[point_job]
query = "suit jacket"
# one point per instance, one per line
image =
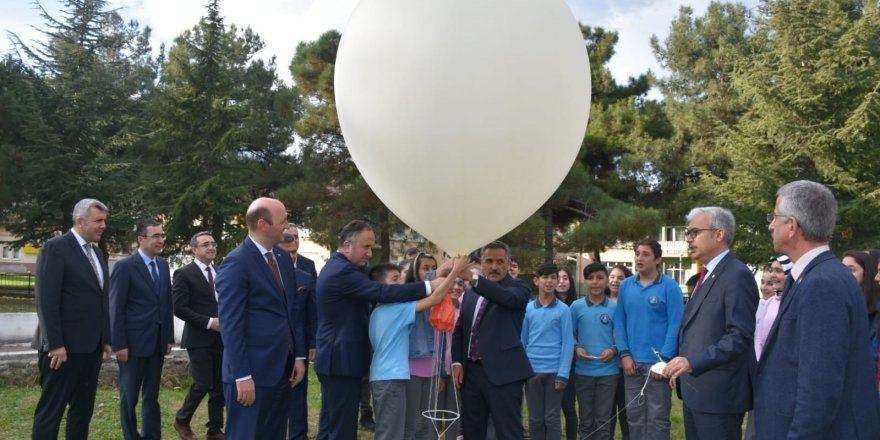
(306, 265)
(257, 318)
(195, 304)
(73, 308)
(141, 318)
(717, 333)
(344, 293)
(501, 350)
(815, 379)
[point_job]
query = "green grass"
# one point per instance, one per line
(17, 413)
(11, 304)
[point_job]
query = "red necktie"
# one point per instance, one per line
(700, 282)
(273, 266)
(474, 352)
(210, 278)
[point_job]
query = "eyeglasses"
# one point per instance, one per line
(694, 232)
(771, 216)
(155, 236)
(208, 244)
(289, 238)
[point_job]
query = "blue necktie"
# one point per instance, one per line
(155, 274)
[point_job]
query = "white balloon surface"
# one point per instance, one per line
(463, 116)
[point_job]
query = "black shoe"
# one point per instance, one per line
(367, 423)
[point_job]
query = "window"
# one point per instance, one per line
(675, 271)
(7, 252)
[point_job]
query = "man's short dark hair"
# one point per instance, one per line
(497, 244)
(594, 267)
(380, 272)
(194, 241)
(143, 224)
(351, 231)
(545, 269)
(651, 243)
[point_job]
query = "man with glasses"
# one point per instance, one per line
(717, 330)
(142, 328)
(305, 296)
(815, 378)
(195, 303)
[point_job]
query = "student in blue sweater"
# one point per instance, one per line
(647, 318)
(389, 334)
(548, 338)
(596, 367)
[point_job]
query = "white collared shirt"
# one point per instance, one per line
(805, 260)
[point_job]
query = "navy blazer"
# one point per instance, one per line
(344, 294)
(141, 318)
(306, 265)
(717, 334)
(816, 379)
(257, 319)
(195, 304)
(73, 308)
(501, 349)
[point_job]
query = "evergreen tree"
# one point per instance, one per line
(222, 123)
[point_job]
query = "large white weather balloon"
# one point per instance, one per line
(463, 116)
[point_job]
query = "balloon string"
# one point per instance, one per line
(641, 395)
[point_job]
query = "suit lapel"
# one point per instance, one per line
(790, 296)
(260, 260)
(705, 290)
(141, 267)
(84, 260)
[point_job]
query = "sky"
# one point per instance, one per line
(284, 23)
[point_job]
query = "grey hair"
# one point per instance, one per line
(81, 210)
(291, 225)
(719, 218)
(194, 241)
(814, 207)
(497, 244)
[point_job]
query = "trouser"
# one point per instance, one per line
(140, 375)
(620, 409)
(648, 417)
(545, 404)
(596, 402)
(569, 410)
(418, 393)
(390, 402)
(711, 426)
(205, 367)
(74, 384)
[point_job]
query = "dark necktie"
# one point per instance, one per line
(273, 266)
(210, 278)
(155, 274)
(700, 282)
(474, 352)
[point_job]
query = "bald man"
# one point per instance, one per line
(265, 347)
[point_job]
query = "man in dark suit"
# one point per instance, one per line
(264, 345)
(141, 321)
(489, 362)
(815, 375)
(73, 334)
(344, 294)
(195, 302)
(306, 277)
(715, 352)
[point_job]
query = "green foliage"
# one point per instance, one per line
(72, 117)
(221, 124)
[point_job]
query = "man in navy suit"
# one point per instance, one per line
(195, 303)
(264, 345)
(489, 362)
(141, 319)
(715, 352)
(815, 375)
(306, 277)
(73, 334)
(344, 294)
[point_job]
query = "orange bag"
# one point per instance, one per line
(443, 315)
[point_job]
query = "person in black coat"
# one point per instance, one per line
(195, 303)
(73, 333)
